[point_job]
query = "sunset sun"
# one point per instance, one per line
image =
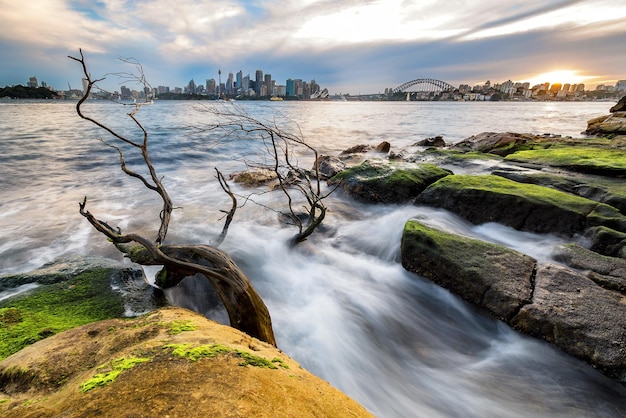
(559, 76)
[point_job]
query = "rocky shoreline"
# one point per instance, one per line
(573, 188)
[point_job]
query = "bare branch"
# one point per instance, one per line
(231, 213)
(156, 183)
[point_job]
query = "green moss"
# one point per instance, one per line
(214, 350)
(116, 367)
(176, 327)
(50, 309)
(500, 185)
(575, 157)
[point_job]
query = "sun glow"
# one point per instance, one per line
(559, 76)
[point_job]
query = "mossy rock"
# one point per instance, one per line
(488, 275)
(593, 160)
(528, 207)
(386, 181)
(601, 189)
(607, 241)
(139, 367)
(50, 309)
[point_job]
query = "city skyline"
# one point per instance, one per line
(346, 46)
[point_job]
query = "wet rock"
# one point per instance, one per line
(387, 181)
(254, 177)
(328, 166)
(528, 207)
(572, 312)
(582, 313)
(357, 149)
(607, 241)
(436, 141)
(604, 161)
(604, 190)
(607, 272)
(383, 147)
(126, 279)
(499, 143)
(491, 276)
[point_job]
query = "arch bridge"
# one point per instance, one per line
(424, 85)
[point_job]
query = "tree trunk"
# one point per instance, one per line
(245, 308)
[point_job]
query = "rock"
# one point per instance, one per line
(357, 149)
(383, 147)
(172, 362)
(575, 314)
(255, 177)
(499, 143)
(436, 141)
(489, 198)
(604, 161)
(491, 276)
(604, 190)
(387, 181)
(125, 279)
(610, 125)
(607, 272)
(581, 315)
(620, 106)
(97, 289)
(607, 241)
(328, 166)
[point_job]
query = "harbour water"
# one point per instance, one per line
(341, 303)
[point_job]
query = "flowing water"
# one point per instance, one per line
(341, 303)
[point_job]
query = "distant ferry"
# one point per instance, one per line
(276, 99)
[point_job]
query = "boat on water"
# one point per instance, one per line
(276, 99)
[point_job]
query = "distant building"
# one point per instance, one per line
(32, 82)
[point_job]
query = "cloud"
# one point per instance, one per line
(347, 44)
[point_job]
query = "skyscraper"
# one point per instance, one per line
(258, 82)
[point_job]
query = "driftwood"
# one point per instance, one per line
(245, 308)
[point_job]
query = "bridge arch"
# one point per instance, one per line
(431, 83)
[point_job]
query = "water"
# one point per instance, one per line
(341, 303)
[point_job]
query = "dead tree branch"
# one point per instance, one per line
(280, 145)
(245, 308)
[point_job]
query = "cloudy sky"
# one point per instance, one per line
(348, 46)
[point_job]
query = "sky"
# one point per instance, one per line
(347, 46)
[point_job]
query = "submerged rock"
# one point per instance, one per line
(172, 362)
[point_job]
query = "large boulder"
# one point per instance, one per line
(584, 314)
(384, 181)
(491, 276)
(572, 312)
(489, 198)
(172, 362)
